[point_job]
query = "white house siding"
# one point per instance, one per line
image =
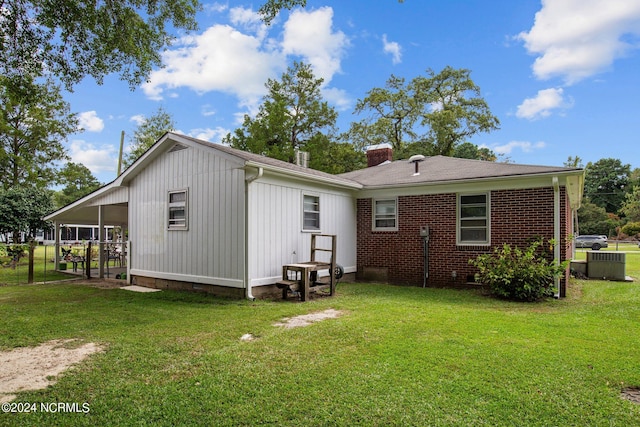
(115, 196)
(276, 235)
(211, 251)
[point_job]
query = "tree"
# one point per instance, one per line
(574, 162)
(631, 206)
(293, 116)
(34, 121)
(23, 208)
(395, 111)
(78, 181)
(73, 39)
(606, 183)
(631, 229)
(468, 150)
(593, 219)
(457, 111)
(430, 115)
(147, 133)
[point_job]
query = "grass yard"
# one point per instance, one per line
(397, 356)
(43, 268)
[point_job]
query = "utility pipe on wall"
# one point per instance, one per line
(556, 234)
(247, 279)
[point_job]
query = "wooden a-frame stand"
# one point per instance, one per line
(303, 277)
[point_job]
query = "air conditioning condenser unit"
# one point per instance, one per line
(606, 265)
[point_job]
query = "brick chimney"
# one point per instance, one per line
(377, 154)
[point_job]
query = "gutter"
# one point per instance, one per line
(409, 184)
(248, 180)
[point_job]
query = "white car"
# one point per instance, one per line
(592, 241)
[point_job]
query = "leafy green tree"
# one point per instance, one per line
(468, 150)
(23, 208)
(631, 229)
(394, 113)
(334, 157)
(77, 181)
(574, 162)
(631, 206)
(456, 109)
(593, 219)
(606, 183)
(73, 39)
(34, 122)
(294, 116)
(430, 115)
(147, 133)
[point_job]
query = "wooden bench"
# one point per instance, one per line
(302, 278)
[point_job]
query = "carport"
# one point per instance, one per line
(106, 206)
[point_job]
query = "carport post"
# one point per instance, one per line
(101, 239)
(56, 244)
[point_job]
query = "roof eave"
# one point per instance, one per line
(478, 179)
(353, 185)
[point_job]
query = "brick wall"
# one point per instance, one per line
(516, 217)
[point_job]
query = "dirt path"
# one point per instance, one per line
(308, 319)
(33, 368)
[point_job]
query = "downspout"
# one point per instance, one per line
(556, 233)
(247, 279)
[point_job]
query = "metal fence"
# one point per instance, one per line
(75, 260)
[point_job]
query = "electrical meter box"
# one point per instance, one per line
(424, 231)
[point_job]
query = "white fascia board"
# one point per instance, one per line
(477, 184)
(304, 177)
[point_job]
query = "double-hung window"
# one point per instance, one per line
(385, 215)
(178, 210)
(473, 219)
(310, 212)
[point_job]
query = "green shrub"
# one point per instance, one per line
(517, 274)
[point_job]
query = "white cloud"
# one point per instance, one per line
(524, 146)
(238, 59)
(337, 97)
(249, 20)
(96, 159)
(208, 134)
(542, 104)
(207, 110)
(138, 119)
(392, 48)
(220, 59)
(576, 39)
(310, 35)
(90, 121)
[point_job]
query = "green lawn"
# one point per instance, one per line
(43, 268)
(398, 356)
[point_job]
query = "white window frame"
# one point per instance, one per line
(375, 216)
(173, 224)
(317, 212)
(486, 218)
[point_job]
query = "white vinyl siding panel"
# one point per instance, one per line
(276, 235)
(213, 244)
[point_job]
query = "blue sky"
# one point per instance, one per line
(562, 76)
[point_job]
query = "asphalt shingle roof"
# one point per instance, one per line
(443, 169)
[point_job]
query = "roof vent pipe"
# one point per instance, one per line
(415, 159)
